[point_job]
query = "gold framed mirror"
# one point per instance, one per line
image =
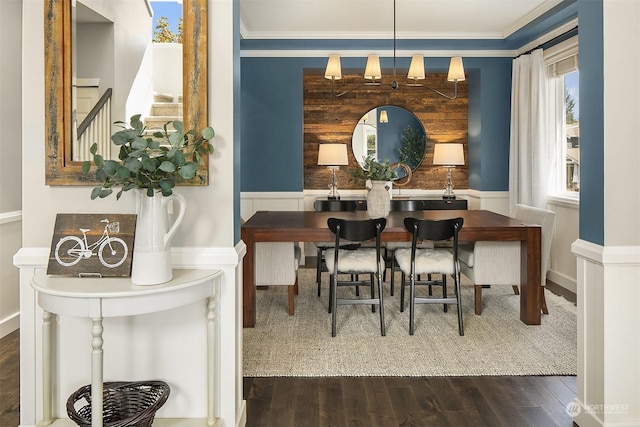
(60, 169)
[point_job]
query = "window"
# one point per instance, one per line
(564, 96)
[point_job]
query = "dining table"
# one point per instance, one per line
(479, 225)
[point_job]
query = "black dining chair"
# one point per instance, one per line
(353, 262)
(328, 205)
(413, 261)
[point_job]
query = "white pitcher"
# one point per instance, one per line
(151, 263)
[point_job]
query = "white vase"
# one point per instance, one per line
(151, 264)
(378, 199)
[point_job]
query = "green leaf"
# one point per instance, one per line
(167, 166)
(166, 185)
(86, 166)
(153, 144)
(177, 125)
(176, 139)
(94, 148)
(208, 133)
(110, 167)
(98, 160)
(134, 165)
(95, 192)
(136, 123)
(150, 192)
(171, 153)
(120, 138)
(188, 171)
(178, 158)
(139, 143)
(104, 192)
(149, 164)
(123, 172)
(101, 176)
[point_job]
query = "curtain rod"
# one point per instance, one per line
(552, 42)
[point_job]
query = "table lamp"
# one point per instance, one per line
(333, 156)
(449, 156)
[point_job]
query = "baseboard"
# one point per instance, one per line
(563, 281)
(9, 324)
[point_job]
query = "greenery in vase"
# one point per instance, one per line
(375, 171)
(156, 164)
(412, 147)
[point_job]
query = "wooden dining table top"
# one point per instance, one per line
(305, 226)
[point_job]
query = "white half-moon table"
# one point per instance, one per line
(97, 298)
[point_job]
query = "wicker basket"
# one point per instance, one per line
(124, 403)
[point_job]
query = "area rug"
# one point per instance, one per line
(494, 343)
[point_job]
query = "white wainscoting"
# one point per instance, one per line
(563, 261)
(10, 242)
(608, 386)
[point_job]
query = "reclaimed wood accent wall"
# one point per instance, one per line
(328, 119)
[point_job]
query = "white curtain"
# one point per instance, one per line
(531, 145)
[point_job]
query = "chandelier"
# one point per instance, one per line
(373, 74)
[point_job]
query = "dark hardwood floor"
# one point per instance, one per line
(10, 380)
(404, 401)
(369, 401)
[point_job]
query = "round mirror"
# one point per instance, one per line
(390, 133)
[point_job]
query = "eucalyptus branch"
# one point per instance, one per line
(157, 163)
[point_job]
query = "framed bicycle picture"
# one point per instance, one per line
(99, 245)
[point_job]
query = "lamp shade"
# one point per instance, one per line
(332, 155)
(456, 70)
(416, 69)
(448, 155)
(384, 117)
(334, 69)
(372, 70)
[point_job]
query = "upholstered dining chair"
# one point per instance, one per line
(276, 264)
(351, 263)
(414, 261)
(498, 263)
(328, 205)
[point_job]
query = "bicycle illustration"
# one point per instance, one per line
(112, 251)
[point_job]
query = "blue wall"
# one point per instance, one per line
(591, 121)
(272, 119)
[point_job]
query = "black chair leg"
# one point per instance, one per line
(412, 303)
(381, 301)
(402, 279)
(444, 291)
(456, 279)
(334, 303)
(319, 269)
(331, 279)
(373, 306)
(393, 271)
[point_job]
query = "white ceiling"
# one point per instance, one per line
(419, 19)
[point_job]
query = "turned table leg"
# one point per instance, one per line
(96, 372)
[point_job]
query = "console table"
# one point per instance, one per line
(97, 298)
(428, 203)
